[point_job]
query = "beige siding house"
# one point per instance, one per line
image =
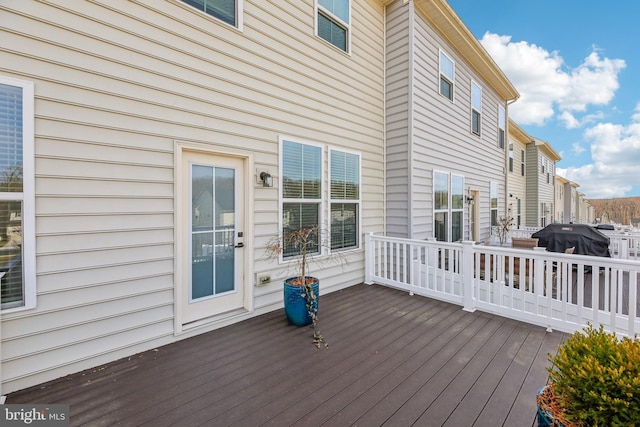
(516, 173)
(154, 141)
(541, 161)
(446, 104)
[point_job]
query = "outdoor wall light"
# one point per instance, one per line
(468, 199)
(267, 180)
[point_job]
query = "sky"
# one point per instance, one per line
(576, 65)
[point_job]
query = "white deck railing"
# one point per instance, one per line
(557, 291)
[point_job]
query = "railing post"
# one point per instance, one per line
(369, 258)
(468, 298)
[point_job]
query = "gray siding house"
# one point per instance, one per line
(446, 106)
(150, 140)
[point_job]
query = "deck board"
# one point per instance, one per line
(393, 359)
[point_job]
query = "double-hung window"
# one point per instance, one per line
(301, 191)
(447, 72)
(225, 10)
(502, 125)
(333, 22)
(345, 199)
(476, 108)
(493, 203)
(303, 184)
(17, 219)
(448, 207)
(511, 157)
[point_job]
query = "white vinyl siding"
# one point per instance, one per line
(116, 89)
(17, 219)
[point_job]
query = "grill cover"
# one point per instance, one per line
(586, 239)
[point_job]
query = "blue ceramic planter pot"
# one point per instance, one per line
(295, 305)
(545, 419)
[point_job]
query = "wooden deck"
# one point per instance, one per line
(394, 359)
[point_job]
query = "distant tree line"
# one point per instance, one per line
(623, 210)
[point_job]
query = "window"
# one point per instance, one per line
(17, 219)
(493, 202)
(302, 186)
(511, 157)
(501, 128)
(345, 199)
(224, 10)
(476, 108)
(333, 22)
(448, 206)
(447, 69)
(522, 162)
(301, 189)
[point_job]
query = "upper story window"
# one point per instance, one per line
(476, 108)
(502, 125)
(522, 166)
(17, 218)
(224, 10)
(511, 157)
(447, 72)
(333, 22)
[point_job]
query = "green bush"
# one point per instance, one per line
(596, 379)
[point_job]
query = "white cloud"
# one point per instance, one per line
(636, 116)
(577, 148)
(616, 153)
(545, 85)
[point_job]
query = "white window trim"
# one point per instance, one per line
(239, 14)
(453, 78)
(346, 25)
(358, 201)
(502, 125)
(478, 110)
(450, 209)
(493, 184)
(28, 193)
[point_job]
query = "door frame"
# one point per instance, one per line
(180, 233)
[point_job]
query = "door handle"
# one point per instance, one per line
(239, 245)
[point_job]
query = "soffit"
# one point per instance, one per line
(444, 19)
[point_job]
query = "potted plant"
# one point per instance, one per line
(594, 380)
(502, 229)
(301, 291)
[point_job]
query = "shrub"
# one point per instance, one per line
(596, 379)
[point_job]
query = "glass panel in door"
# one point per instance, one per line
(213, 231)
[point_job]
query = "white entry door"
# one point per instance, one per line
(212, 273)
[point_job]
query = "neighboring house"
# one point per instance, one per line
(559, 197)
(541, 161)
(516, 173)
(147, 135)
(566, 207)
(584, 210)
(446, 112)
